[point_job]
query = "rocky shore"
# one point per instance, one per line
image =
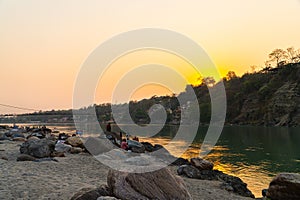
(42, 167)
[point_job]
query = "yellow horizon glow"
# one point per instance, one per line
(44, 43)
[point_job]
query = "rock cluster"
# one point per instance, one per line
(203, 170)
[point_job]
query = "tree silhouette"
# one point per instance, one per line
(278, 55)
(291, 54)
(230, 75)
(209, 81)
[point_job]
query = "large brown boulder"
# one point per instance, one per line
(202, 164)
(75, 142)
(159, 184)
(285, 186)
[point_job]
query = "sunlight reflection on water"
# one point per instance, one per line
(255, 176)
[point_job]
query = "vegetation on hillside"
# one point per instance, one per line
(269, 96)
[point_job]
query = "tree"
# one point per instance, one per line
(209, 81)
(230, 75)
(297, 55)
(291, 53)
(278, 55)
(253, 68)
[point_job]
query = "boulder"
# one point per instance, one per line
(74, 142)
(25, 157)
(189, 171)
(285, 186)
(38, 135)
(138, 149)
(96, 146)
(264, 192)
(18, 135)
(148, 146)
(32, 138)
(38, 148)
(19, 139)
(202, 164)
(91, 193)
(226, 186)
(4, 138)
(180, 161)
(157, 147)
(62, 148)
(136, 146)
(161, 184)
(45, 159)
(133, 143)
(8, 134)
(107, 198)
(76, 150)
(58, 154)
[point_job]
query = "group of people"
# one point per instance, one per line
(123, 141)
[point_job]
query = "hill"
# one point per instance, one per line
(270, 97)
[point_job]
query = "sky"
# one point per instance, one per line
(44, 43)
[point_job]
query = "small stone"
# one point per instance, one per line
(33, 138)
(226, 186)
(76, 150)
(58, 154)
(19, 139)
(25, 157)
(4, 158)
(107, 198)
(91, 193)
(264, 192)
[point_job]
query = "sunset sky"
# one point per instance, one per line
(43, 43)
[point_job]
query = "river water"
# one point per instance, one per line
(254, 154)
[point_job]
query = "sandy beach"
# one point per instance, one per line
(62, 179)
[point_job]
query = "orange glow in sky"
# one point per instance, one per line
(44, 43)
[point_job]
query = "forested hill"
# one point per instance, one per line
(269, 97)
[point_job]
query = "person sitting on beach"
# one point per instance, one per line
(124, 145)
(136, 138)
(108, 127)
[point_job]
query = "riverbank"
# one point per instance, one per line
(62, 179)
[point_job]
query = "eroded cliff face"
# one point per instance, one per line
(282, 109)
(250, 112)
